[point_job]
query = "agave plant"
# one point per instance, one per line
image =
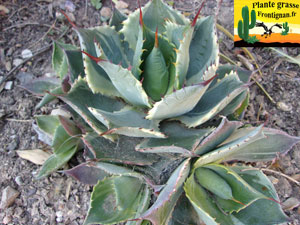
(139, 95)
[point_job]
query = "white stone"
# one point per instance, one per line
(26, 53)
(17, 62)
(8, 85)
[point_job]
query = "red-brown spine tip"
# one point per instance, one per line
(208, 81)
(156, 38)
(141, 14)
(197, 15)
(69, 20)
(142, 80)
(96, 59)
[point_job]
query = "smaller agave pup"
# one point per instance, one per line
(138, 94)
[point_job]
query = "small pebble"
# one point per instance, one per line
(12, 146)
(290, 203)
(19, 180)
(284, 107)
(59, 216)
(121, 5)
(31, 191)
(8, 85)
(105, 13)
(69, 5)
(6, 220)
(8, 65)
(17, 62)
(9, 51)
(273, 180)
(9, 195)
(26, 53)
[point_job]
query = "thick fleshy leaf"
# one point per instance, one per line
(243, 193)
(263, 211)
(183, 57)
(47, 98)
(109, 41)
(177, 103)
(129, 122)
(121, 152)
(158, 12)
(204, 204)
(128, 86)
(39, 86)
(117, 199)
(80, 97)
(214, 101)
(48, 123)
(184, 213)
(56, 161)
(223, 70)
(226, 150)
(174, 32)
(237, 105)
(129, 27)
(160, 212)
(97, 79)
(137, 57)
(91, 172)
(61, 138)
(59, 60)
(64, 149)
(69, 126)
(265, 149)
(204, 59)
(180, 140)
(161, 170)
(155, 13)
(220, 134)
(214, 183)
(75, 63)
(156, 74)
(117, 19)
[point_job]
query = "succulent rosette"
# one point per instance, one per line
(139, 95)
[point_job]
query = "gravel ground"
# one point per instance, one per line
(61, 200)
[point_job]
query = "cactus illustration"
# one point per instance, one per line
(244, 26)
(286, 28)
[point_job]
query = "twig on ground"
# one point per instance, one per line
(228, 34)
(20, 25)
(227, 59)
(18, 10)
(85, 9)
(47, 47)
(259, 111)
(52, 27)
(20, 121)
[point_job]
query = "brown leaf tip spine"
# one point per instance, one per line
(197, 15)
(96, 59)
(156, 38)
(68, 18)
(141, 14)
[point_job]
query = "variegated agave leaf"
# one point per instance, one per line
(140, 93)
